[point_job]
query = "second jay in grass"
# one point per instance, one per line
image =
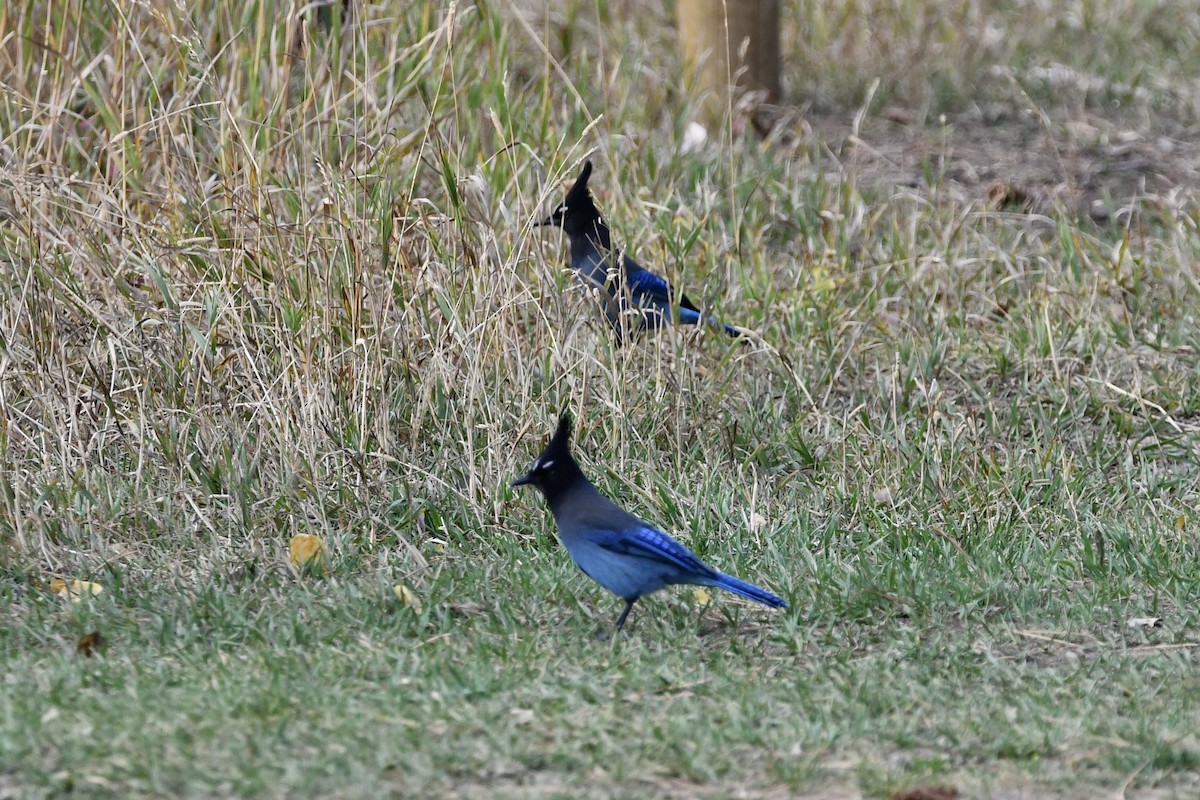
(633, 297)
(626, 555)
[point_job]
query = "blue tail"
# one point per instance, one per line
(689, 317)
(747, 590)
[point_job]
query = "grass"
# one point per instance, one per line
(258, 285)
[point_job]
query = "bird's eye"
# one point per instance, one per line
(541, 466)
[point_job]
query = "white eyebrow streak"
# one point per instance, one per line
(546, 464)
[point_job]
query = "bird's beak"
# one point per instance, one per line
(521, 481)
(541, 223)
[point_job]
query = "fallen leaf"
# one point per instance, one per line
(89, 644)
(308, 551)
(694, 137)
(407, 597)
(822, 282)
(1009, 197)
(522, 716)
(927, 793)
(1144, 622)
(75, 589)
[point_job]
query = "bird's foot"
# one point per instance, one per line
(607, 634)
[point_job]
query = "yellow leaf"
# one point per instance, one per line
(75, 588)
(702, 596)
(1181, 523)
(822, 282)
(308, 551)
(407, 597)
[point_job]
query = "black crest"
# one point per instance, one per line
(578, 197)
(554, 469)
(577, 213)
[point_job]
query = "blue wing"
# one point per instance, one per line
(657, 546)
(653, 544)
(645, 285)
(641, 289)
(647, 289)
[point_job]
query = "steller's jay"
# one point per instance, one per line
(625, 555)
(629, 289)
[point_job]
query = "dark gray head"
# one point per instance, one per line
(555, 470)
(576, 214)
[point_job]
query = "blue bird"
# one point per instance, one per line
(629, 557)
(629, 289)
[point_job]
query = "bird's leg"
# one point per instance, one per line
(625, 613)
(604, 634)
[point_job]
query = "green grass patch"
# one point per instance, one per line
(263, 278)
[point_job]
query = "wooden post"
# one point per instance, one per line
(712, 35)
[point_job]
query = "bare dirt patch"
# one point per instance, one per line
(1087, 166)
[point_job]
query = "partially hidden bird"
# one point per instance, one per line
(633, 298)
(624, 554)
